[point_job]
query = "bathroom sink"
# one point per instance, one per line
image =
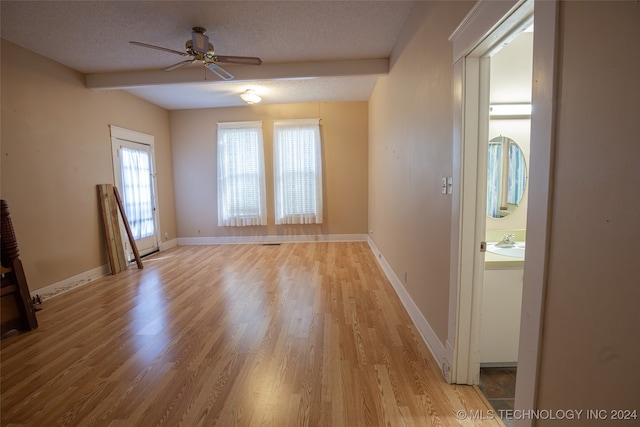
(516, 251)
(505, 245)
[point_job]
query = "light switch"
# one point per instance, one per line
(444, 185)
(449, 185)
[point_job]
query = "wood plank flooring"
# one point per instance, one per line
(301, 334)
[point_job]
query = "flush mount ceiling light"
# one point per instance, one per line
(250, 97)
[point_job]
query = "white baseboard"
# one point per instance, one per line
(70, 283)
(435, 346)
(168, 244)
(85, 278)
(222, 240)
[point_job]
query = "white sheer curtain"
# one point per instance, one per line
(494, 163)
(506, 177)
(298, 171)
(517, 174)
(241, 183)
(137, 194)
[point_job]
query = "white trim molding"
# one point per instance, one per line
(539, 219)
(481, 23)
(66, 285)
(168, 244)
(440, 353)
(235, 240)
(82, 279)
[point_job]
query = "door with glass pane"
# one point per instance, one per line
(134, 178)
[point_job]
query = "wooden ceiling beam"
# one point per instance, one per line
(277, 71)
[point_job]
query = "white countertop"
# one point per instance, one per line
(495, 261)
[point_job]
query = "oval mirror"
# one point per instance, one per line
(506, 176)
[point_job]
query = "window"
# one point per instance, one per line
(137, 194)
(241, 186)
(298, 171)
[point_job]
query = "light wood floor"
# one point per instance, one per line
(302, 334)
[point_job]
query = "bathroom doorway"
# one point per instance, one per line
(485, 29)
(508, 154)
(473, 51)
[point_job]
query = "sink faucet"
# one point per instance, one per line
(506, 241)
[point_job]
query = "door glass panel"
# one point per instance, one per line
(137, 191)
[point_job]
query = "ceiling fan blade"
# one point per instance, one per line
(177, 52)
(247, 60)
(219, 71)
(179, 65)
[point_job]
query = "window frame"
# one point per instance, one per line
(226, 216)
(282, 156)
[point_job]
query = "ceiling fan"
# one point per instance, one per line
(200, 50)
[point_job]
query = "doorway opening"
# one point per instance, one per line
(134, 176)
(507, 146)
(485, 30)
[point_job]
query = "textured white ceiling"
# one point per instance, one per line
(329, 89)
(92, 37)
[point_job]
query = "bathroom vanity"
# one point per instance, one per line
(501, 307)
(507, 198)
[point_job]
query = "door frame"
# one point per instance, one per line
(487, 25)
(119, 135)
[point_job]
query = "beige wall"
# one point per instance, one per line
(56, 148)
(344, 147)
(590, 346)
(410, 150)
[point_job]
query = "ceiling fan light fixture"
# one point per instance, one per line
(200, 50)
(200, 40)
(250, 97)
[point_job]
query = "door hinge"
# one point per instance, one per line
(483, 246)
